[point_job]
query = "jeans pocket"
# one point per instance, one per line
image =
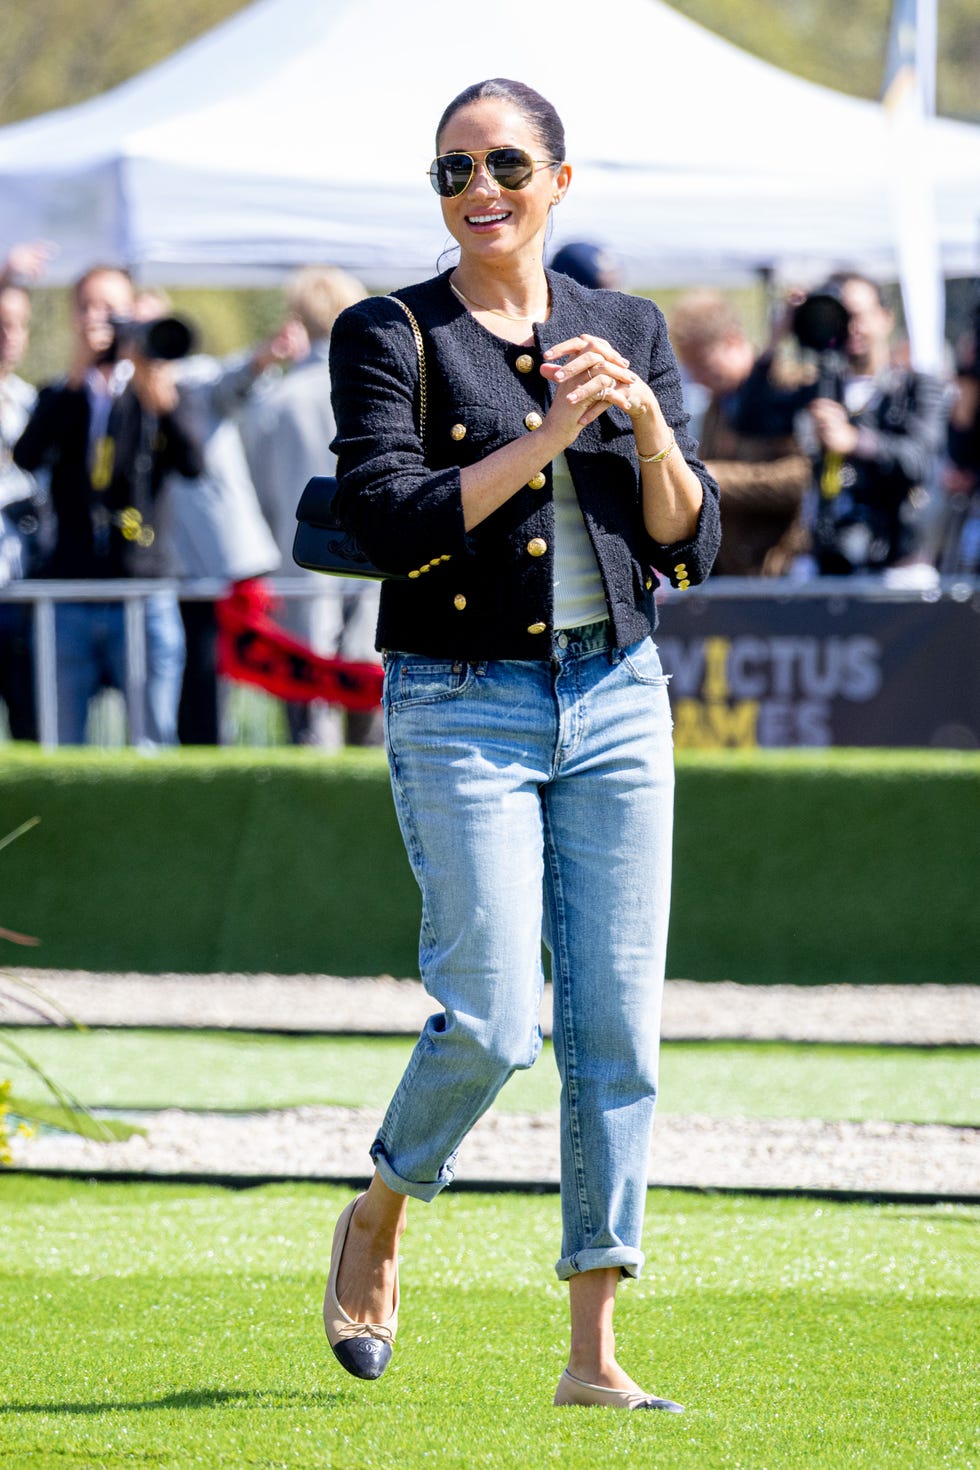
(413, 679)
(642, 663)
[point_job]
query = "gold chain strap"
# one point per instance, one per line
(420, 349)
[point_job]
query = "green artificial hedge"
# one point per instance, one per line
(809, 867)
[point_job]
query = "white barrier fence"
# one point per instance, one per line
(133, 594)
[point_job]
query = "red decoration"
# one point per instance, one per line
(254, 649)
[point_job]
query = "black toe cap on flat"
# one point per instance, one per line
(667, 1405)
(364, 1357)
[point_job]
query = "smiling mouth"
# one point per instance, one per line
(482, 220)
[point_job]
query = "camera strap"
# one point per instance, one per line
(831, 480)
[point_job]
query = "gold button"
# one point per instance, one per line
(458, 431)
(681, 569)
(684, 584)
(413, 575)
(537, 547)
(538, 482)
(459, 602)
(426, 567)
(533, 420)
(537, 627)
(649, 583)
(524, 363)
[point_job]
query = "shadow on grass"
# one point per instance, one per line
(190, 1398)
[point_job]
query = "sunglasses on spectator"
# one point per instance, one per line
(511, 168)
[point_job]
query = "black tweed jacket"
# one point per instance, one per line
(488, 594)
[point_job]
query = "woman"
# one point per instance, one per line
(527, 721)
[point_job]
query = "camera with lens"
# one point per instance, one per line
(821, 321)
(167, 339)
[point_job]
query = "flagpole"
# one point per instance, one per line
(908, 98)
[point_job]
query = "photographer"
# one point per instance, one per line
(108, 434)
(288, 430)
(873, 433)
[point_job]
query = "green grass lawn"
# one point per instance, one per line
(193, 1069)
(178, 1327)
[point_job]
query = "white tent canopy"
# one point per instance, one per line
(301, 130)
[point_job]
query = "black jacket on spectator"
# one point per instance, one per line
(900, 433)
(119, 530)
(488, 594)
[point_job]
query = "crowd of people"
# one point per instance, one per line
(160, 462)
(835, 462)
(149, 460)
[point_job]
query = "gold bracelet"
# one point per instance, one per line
(656, 458)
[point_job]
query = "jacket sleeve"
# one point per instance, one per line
(697, 554)
(44, 429)
(233, 381)
(403, 513)
(180, 448)
(908, 456)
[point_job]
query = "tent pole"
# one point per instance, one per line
(771, 304)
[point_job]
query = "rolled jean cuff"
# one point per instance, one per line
(411, 1187)
(629, 1261)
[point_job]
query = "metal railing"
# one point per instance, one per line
(133, 594)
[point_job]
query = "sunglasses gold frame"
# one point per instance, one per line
(483, 156)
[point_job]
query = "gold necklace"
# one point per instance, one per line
(510, 316)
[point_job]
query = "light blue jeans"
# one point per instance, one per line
(91, 655)
(535, 800)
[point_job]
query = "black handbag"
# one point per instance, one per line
(322, 542)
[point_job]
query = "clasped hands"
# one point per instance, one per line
(588, 376)
(592, 377)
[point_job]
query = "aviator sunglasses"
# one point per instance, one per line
(511, 168)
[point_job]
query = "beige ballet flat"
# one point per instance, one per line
(572, 1390)
(363, 1348)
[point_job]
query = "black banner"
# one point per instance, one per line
(820, 670)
